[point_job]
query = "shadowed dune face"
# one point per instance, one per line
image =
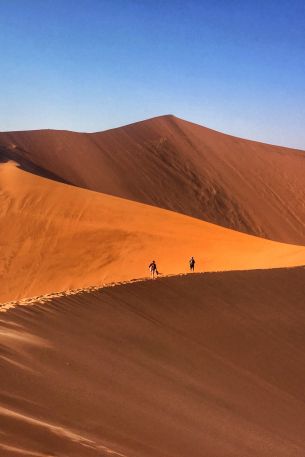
(197, 365)
(56, 237)
(173, 164)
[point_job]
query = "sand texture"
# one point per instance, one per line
(197, 365)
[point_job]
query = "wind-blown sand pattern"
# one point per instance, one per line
(204, 364)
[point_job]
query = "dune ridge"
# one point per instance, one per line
(177, 165)
(203, 364)
(86, 290)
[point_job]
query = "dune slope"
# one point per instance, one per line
(204, 364)
(56, 237)
(174, 164)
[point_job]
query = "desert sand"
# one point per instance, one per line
(57, 237)
(198, 365)
(98, 360)
(177, 165)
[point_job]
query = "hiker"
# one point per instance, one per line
(153, 269)
(192, 263)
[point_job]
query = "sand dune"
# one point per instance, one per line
(207, 364)
(57, 237)
(177, 165)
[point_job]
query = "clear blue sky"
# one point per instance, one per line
(88, 65)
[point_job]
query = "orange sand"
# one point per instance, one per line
(57, 237)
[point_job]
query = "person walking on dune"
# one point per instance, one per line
(192, 263)
(153, 269)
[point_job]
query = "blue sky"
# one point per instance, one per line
(89, 65)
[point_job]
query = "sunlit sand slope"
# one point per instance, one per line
(203, 365)
(177, 165)
(56, 237)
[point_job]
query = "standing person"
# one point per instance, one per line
(153, 269)
(192, 263)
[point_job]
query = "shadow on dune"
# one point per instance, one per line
(19, 156)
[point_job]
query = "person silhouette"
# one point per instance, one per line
(192, 263)
(153, 269)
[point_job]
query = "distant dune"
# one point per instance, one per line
(174, 164)
(56, 237)
(204, 365)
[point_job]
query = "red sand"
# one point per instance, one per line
(203, 365)
(174, 164)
